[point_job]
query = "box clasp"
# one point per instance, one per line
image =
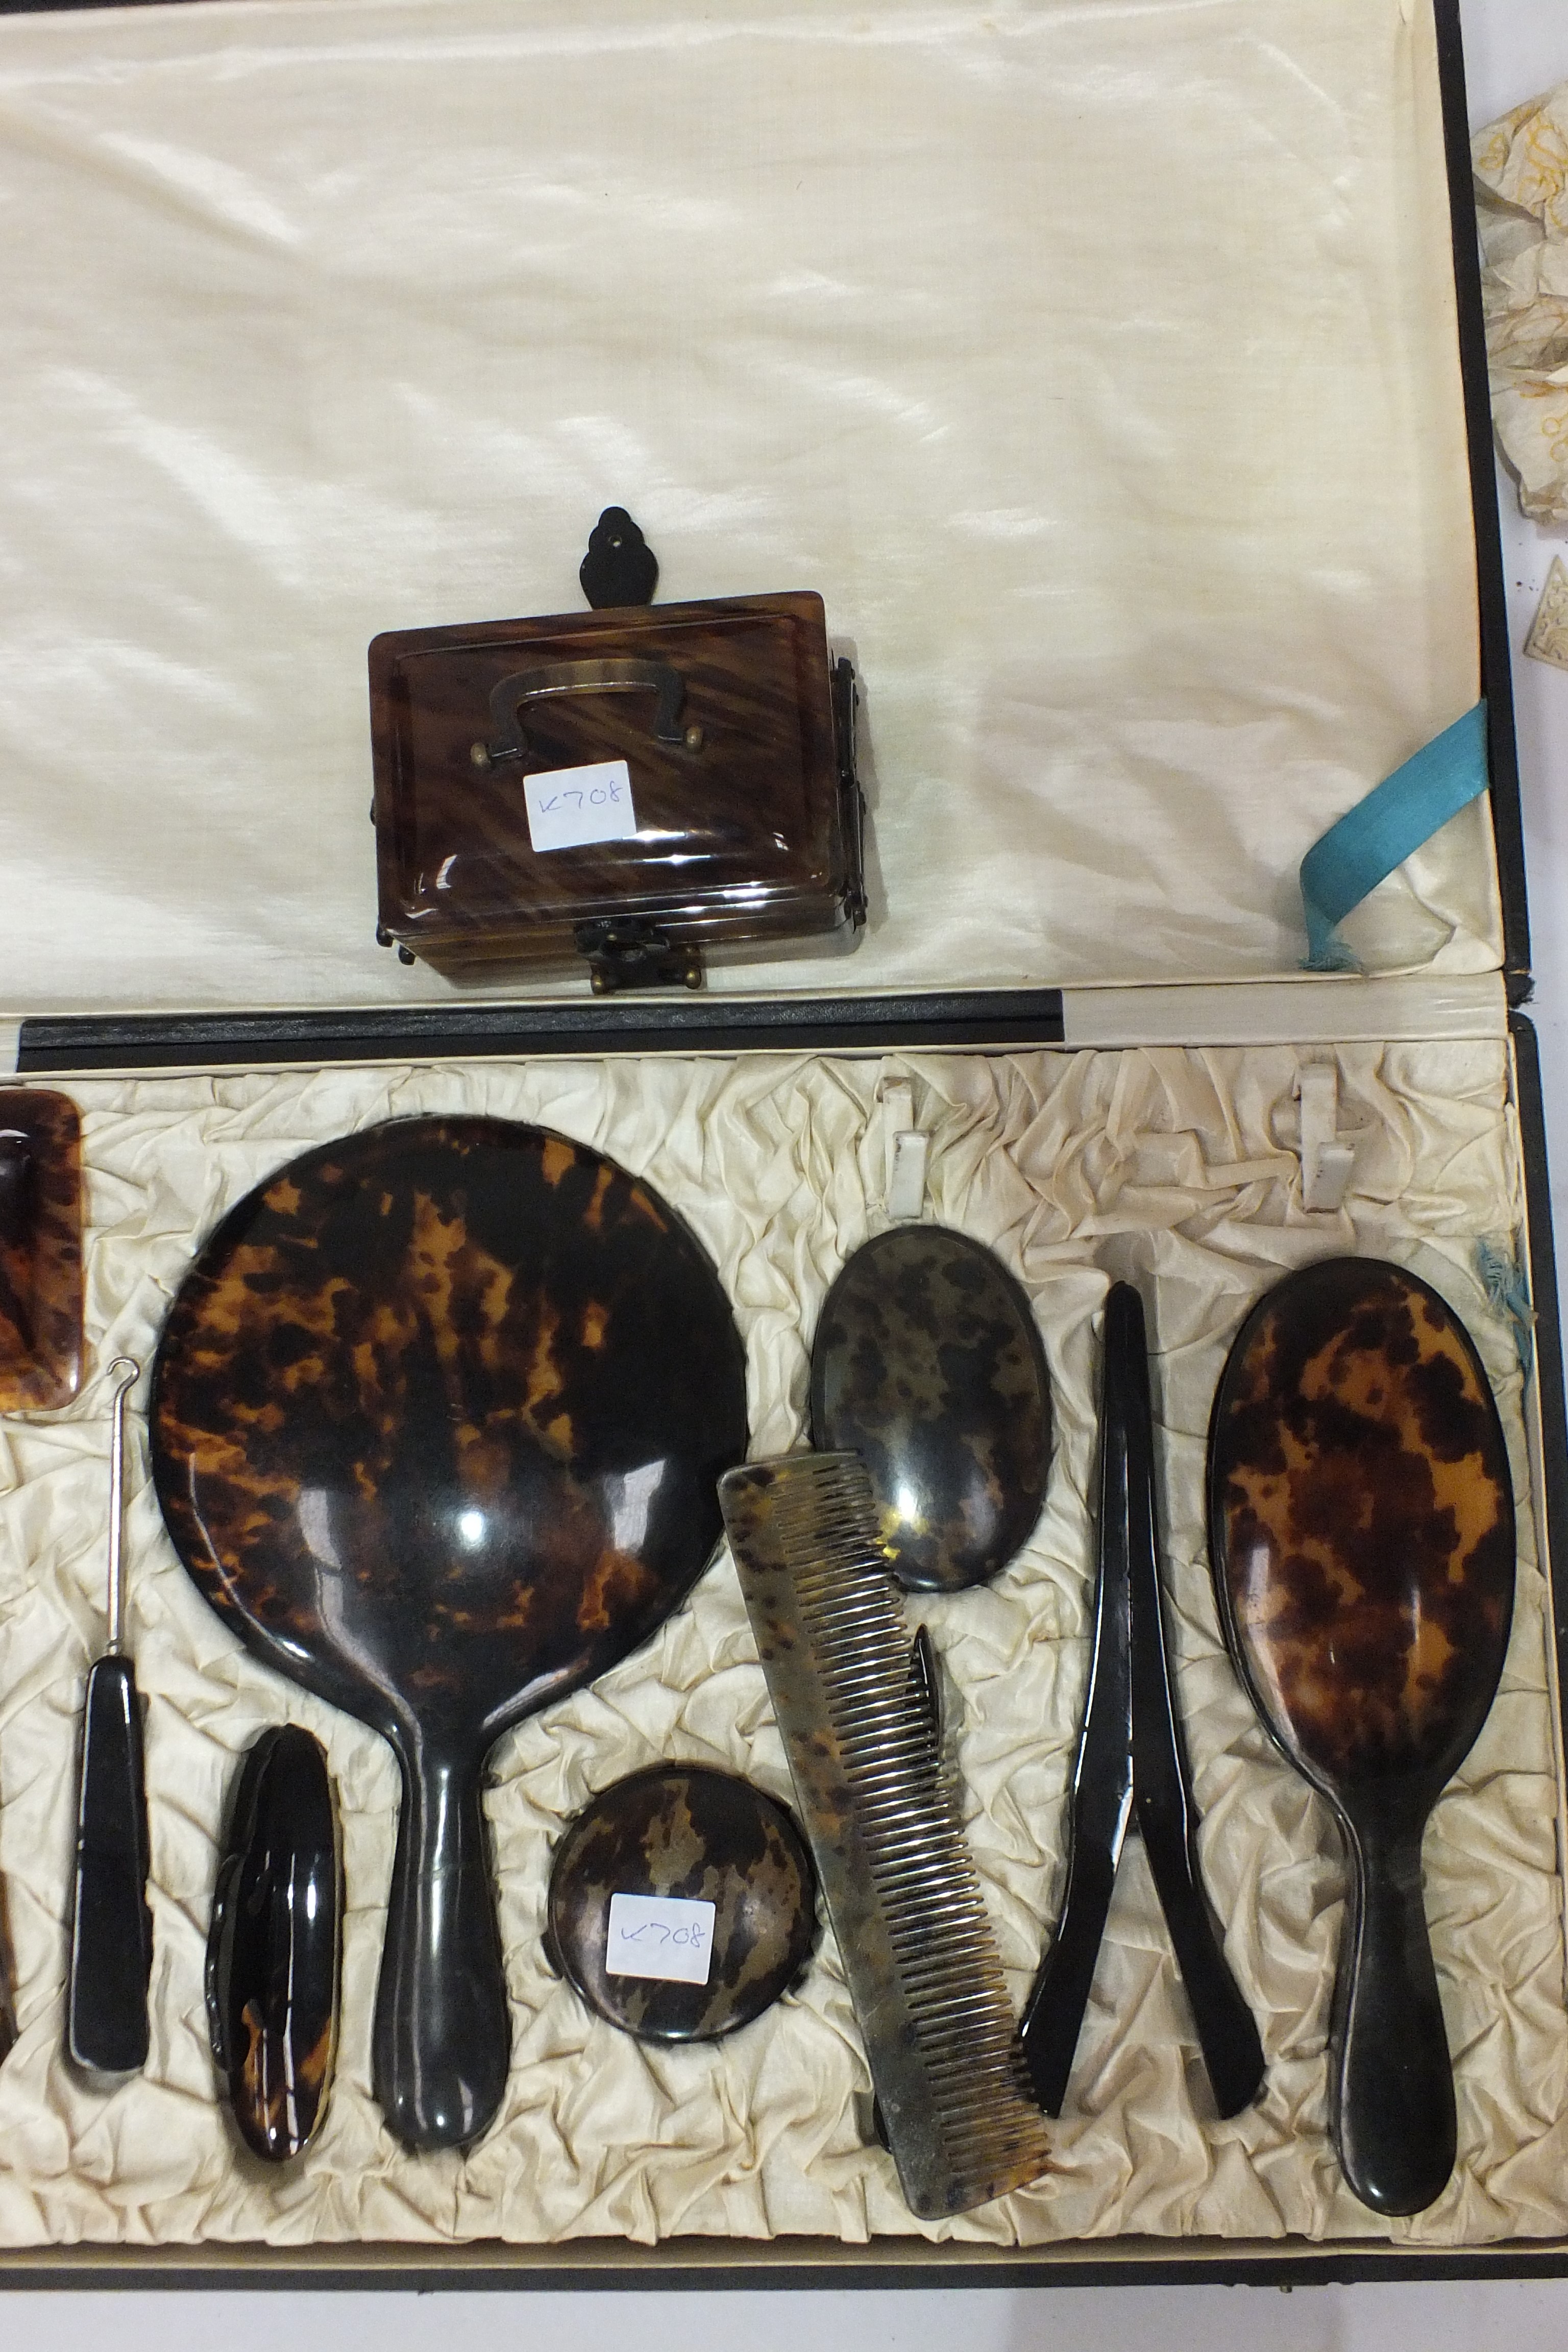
(630, 951)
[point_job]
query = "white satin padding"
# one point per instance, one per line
(1171, 1168)
(1096, 362)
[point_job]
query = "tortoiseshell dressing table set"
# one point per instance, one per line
(702, 1362)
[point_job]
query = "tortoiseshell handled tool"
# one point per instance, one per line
(896, 1873)
(1131, 1764)
(1362, 1531)
(40, 1250)
(274, 1943)
(681, 1831)
(41, 1350)
(111, 1931)
(928, 1363)
(7, 1979)
(438, 1415)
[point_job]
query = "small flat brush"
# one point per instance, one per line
(900, 1888)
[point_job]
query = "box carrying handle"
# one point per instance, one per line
(607, 675)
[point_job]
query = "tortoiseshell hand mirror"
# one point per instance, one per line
(437, 1419)
(1361, 1525)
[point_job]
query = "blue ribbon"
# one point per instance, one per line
(1382, 830)
(1503, 1280)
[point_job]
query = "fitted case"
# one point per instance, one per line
(1154, 560)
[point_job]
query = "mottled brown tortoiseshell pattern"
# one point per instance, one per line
(274, 1945)
(752, 832)
(928, 1363)
(897, 1881)
(682, 1830)
(40, 1250)
(436, 1420)
(1361, 1524)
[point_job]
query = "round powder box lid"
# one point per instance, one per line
(682, 1903)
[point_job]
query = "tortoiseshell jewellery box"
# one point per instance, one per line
(633, 787)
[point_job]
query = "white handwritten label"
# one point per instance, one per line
(660, 1936)
(568, 806)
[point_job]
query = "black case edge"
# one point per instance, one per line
(1497, 673)
(1549, 1377)
(1003, 1018)
(795, 2265)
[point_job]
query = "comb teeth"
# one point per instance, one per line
(901, 1889)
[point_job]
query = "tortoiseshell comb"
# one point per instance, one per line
(900, 1888)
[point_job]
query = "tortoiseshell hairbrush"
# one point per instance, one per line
(900, 1888)
(1361, 1530)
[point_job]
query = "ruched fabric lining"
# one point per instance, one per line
(1173, 1168)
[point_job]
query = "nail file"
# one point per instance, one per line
(901, 1889)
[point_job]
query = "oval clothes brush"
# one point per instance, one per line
(928, 1364)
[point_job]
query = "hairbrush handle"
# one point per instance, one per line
(1391, 2079)
(442, 2033)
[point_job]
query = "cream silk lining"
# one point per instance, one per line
(1096, 362)
(1172, 1167)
